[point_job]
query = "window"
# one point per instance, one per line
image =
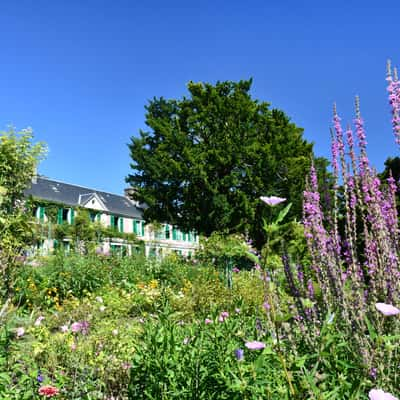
(39, 213)
(94, 216)
(138, 227)
(65, 215)
(167, 231)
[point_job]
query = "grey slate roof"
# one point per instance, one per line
(74, 195)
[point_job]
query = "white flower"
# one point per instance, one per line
(379, 394)
(387, 309)
(272, 201)
(39, 320)
(20, 331)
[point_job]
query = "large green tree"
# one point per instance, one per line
(18, 160)
(206, 159)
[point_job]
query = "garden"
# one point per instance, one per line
(312, 314)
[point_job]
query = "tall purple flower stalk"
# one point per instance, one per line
(355, 259)
(394, 100)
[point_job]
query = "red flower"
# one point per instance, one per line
(48, 391)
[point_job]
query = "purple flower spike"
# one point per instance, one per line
(379, 394)
(272, 200)
(387, 309)
(255, 345)
(239, 354)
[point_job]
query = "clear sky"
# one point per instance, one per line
(79, 72)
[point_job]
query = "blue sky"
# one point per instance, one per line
(80, 72)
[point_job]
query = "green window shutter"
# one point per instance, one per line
(41, 213)
(98, 217)
(60, 216)
(71, 215)
(167, 231)
(112, 221)
(174, 234)
(135, 229)
(142, 228)
(121, 224)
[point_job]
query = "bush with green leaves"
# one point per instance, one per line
(18, 160)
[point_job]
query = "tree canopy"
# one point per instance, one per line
(207, 158)
(19, 157)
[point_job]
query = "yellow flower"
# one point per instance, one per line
(153, 283)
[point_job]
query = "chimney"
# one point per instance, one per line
(128, 193)
(34, 176)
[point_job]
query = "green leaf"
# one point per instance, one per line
(282, 214)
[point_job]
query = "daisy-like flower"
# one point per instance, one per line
(387, 309)
(64, 328)
(255, 345)
(272, 201)
(379, 394)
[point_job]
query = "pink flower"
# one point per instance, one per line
(48, 391)
(20, 331)
(126, 366)
(255, 345)
(387, 309)
(73, 346)
(208, 321)
(39, 320)
(236, 270)
(223, 316)
(272, 200)
(76, 327)
(379, 394)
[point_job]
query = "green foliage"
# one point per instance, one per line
(18, 161)
(207, 159)
(219, 247)
(195, 361)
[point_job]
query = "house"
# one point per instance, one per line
(120, 214)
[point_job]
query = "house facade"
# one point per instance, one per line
(121, 215)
